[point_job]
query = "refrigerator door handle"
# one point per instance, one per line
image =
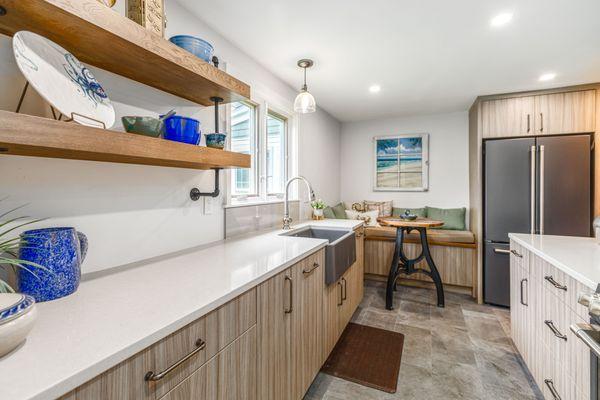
(532, 201)
(542, 179)
(501, 251)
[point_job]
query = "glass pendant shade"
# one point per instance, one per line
(305, 102)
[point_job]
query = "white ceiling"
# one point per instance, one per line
(429, 56)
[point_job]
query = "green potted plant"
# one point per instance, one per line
(9, 246)
(318, 206)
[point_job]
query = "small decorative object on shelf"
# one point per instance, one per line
(318, 206)
(215, 140)
(408, 216)
(17, 315)
(62, 80)
(108, 3)
(182, 129)
(148, 13)
(61, 251)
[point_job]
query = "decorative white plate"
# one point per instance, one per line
(62, 80)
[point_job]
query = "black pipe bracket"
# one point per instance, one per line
(195, 193)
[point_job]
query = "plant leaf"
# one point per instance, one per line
(18, 226)
(5, 287)
(11, 211)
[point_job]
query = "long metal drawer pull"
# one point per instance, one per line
(556, 332)
(341, 293)
(345, 292)
(308, 271)
(557, 285)
(153, 377)
(522, 282)
(501, 251)
(291, 308)
(516, 253)
(550, 385)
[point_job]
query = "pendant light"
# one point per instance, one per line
(305, 102)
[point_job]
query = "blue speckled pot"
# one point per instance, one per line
(61, 250)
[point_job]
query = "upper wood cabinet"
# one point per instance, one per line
(556, 113)
(507, 117)
(570, 112)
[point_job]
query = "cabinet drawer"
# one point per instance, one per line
(217, 330)
(230, 375)
(555, 326)
(556, 281)
(519, 256)
(554, 377)
(574, 288)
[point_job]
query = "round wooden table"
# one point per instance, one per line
(403, 265)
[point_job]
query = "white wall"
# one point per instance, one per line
(448, 159)
(132, 212)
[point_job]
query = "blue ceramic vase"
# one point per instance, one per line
(61, 251)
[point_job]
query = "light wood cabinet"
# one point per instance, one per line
(290, 326)
(551, 114)
(541, 313)
(570, 112)
(230, 375)
(507, 117)
(343, 297)
(214, 331)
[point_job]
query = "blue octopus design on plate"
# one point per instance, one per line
(80, 75)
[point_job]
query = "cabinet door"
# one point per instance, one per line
(571, 112)
(516, 308)
(274, 328)
(230, 375)
(507, 117)
(308, 279)
(332, 304)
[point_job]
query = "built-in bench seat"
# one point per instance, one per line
(439, 236)
(454, 253)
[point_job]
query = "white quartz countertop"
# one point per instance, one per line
(112, 317)
(578, 257)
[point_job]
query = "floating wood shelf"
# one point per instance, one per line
(99, 36)
(26, 135)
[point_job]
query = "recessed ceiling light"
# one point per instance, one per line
(547, 77)
(501, 19)
(374, 88)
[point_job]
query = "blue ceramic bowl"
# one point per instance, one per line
(215, 140)
(198, 47)
(182, 129)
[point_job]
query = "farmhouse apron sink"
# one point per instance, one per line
(340, 252)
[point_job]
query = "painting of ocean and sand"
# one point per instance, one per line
(399, 163)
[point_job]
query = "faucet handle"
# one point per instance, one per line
(287, 221)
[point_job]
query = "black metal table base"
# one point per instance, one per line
(402, 265)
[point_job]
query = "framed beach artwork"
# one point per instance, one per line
(401, 163)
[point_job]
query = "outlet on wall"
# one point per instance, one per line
(208, 205)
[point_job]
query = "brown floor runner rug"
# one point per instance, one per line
(368, 356)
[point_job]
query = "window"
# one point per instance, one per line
(276, 153)
(262, 133)
(243, 140)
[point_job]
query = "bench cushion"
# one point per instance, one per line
(440, 235)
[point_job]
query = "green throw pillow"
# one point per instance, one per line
(328, 213)
(339, 211)
(454, 218)
(419, 212)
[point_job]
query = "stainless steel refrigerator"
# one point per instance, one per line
(536, 185)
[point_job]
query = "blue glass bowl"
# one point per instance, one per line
(198, 47)
(182, 129)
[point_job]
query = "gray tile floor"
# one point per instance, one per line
(462, 351)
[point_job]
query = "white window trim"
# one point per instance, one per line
(256, 149)
(262, 107)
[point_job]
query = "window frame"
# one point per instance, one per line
(254, 153)
(262, 110)
(279, 116)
